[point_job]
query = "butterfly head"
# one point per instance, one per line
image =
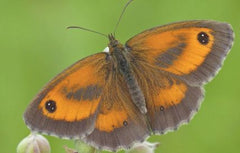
(113, 43)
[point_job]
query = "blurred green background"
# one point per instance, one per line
(35, 46)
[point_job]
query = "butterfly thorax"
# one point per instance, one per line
(120, 59)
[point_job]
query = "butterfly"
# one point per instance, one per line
(152, 84)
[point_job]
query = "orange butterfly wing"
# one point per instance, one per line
(119, 123)
(191, 50)
(68, 105)
(92, 103)
(172, 62)
(170, 101)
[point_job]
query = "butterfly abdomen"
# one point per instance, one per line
(135, 92)
(124, 68)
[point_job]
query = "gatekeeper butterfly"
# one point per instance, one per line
(150, 85)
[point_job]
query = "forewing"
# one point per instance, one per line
(76, 93)
(193, 50)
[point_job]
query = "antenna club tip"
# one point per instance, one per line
(77, 27)
(71, 27)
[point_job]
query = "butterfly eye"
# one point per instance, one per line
(203, 38)
(50, 106)
(125, 123)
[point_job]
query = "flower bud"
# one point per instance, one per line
(145, 147)
(34, 143)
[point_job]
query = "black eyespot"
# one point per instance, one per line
(125, 123)
(50, 106)
(161, 108)
(203, 38)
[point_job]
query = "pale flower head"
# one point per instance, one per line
(34, 143)
(145, 147)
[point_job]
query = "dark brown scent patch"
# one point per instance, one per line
(169, 56)
(51, 106)
(90, 92)
(203, 38)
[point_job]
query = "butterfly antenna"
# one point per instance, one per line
(123, 11)
(77, 27)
